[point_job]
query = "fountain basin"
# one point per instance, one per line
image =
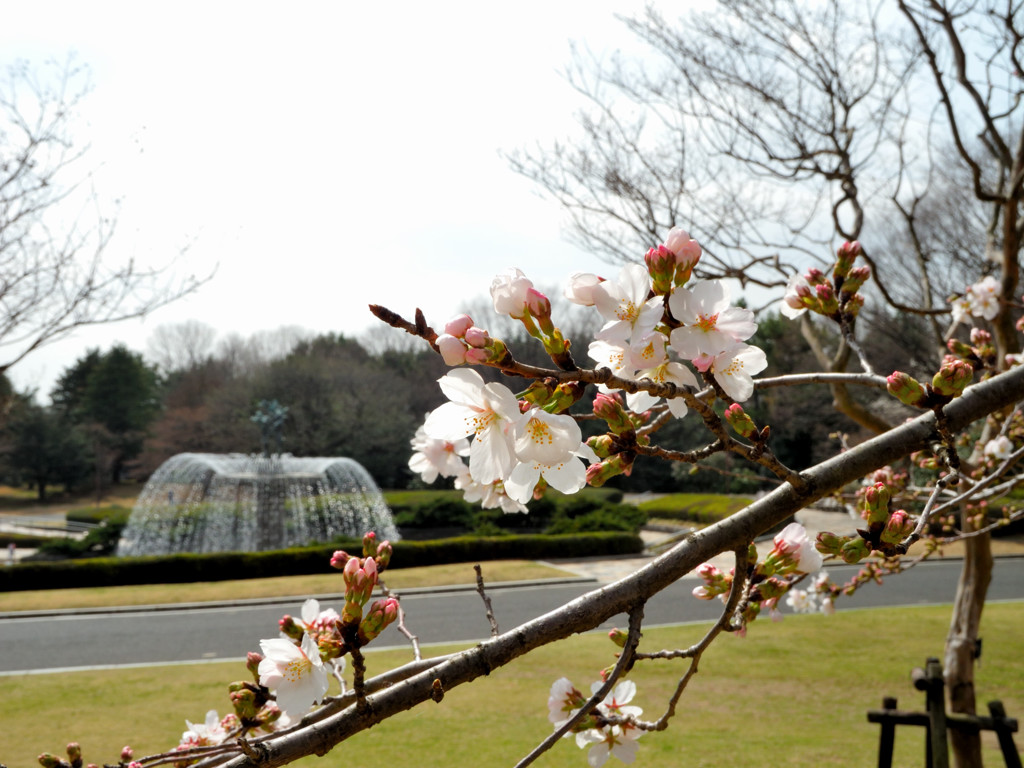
(204, 502)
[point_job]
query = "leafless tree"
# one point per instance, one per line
(56, 273)
(180, 346)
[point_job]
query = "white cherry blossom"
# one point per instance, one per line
(294, 672)
(735, 368)
(580, 289)
(567, 475)
(999, 448)
(546, 437)
(490, 495)
(313, 619)
(509, 292)
(710, 324)
(665, 372)
(486, 411)
(615, 355)
(625, 306)
(206, 734)
(983, 298)
(433, 457)
(617, 740)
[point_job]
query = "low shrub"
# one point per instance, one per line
(695, 507)
(581, 518)
(440, 510)
(98, 542)
(180, 569)
(99, 515)
(22, 540)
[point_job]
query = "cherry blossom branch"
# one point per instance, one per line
(624, 663)
(593, 608)
(487, 600)
(795, 379)
(695, 652)
(922, 521)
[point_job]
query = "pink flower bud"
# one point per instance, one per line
(609, 407)
(856, 279)
(906, 389)
(827, 297)
(898, 527)
(876, 504)
(829, 543)
(619, 464)
(360, 577)
(686, 250)
(477, 337)
(661, 266)
(738, 419)
(980, 337)
(458, 325)
(708, 571)
(452, 350)
(855, 550)
(49, 760)
(845, 256)
(74, 750)
(252, 663)
(378, 617)
(383, 557)
(959, 349)
(538, 304)
(369, 544)
(127, 753)
(475, 356)
(289, 627)
(952, 378)
(815, 277)
(339, 559)
(618, 636)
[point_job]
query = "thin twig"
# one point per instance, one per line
(695, 652)
(400, 624)
(487, 600)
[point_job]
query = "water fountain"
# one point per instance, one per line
(204, 502)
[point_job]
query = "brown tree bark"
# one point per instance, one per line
(962, 645)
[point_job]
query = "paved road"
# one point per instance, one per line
(50, 642)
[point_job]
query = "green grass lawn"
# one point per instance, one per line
(794, 693)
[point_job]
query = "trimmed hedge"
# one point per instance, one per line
(591, 510)
(26, 540)
(181, 569)
(695, 507)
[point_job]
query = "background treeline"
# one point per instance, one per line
(118, 414)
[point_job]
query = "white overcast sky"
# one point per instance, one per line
(322, 155)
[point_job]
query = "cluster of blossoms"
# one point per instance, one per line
(979, 300)
(792, 557)
(837, 298)
(523, 443)
(608, 729)
(292, 672)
